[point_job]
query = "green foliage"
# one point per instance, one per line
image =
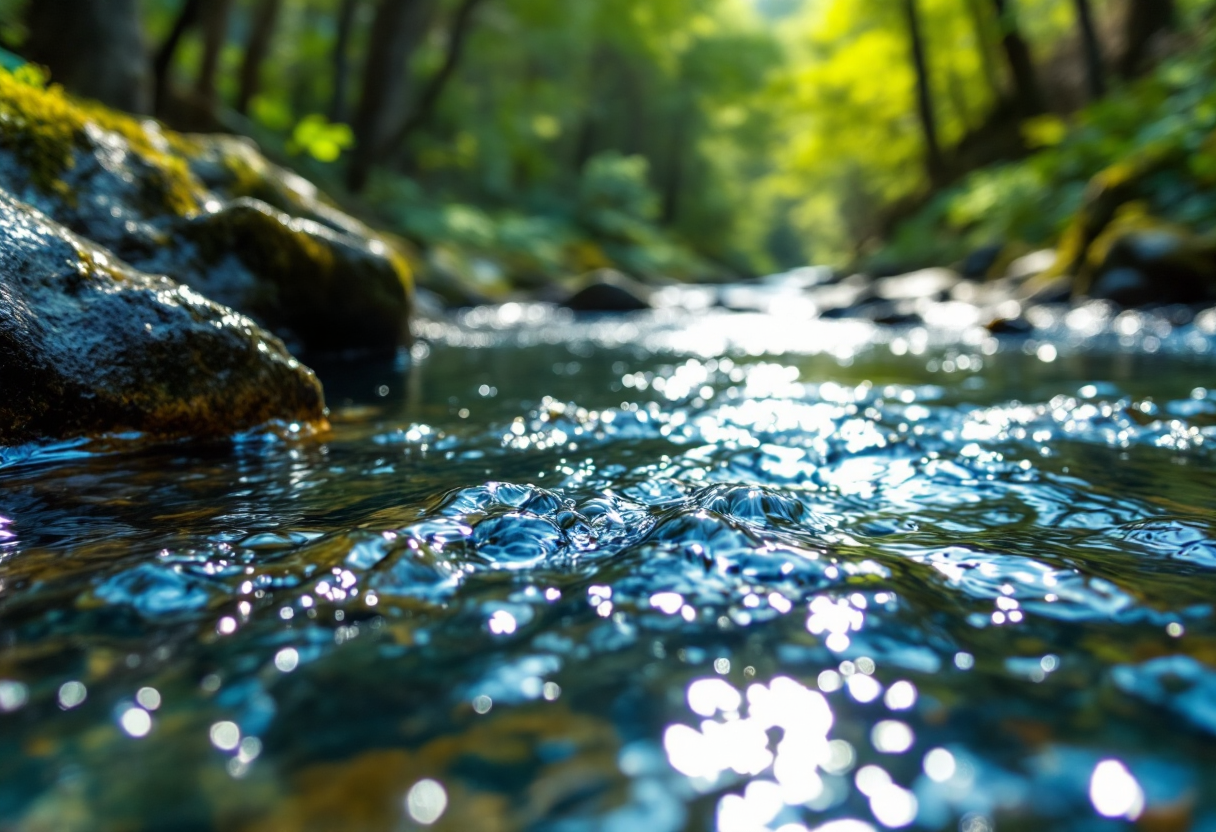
(572, 135)
(1158, 136)
(853, 145)
(272, 112)
(317, 137)
(663, 136)
(610, 223)
(615, 198)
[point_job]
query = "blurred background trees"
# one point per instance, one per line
(519, 140)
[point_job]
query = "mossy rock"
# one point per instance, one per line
(173, 204)
(233, 166)
(47, 133)
(90, 346)
(329, 288)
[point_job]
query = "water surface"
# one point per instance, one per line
(714, 571)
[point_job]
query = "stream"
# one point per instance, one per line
(666, 571)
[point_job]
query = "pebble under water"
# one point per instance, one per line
(667, 572)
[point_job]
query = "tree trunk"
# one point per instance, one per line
(924, 95)
(1145, 20)
(587, 137)
(214, 22)
(338, 107)
(258, 47)
(1095, 74)
(95, 48)
(673, 182)
(461, 27)
(1026, 86)
(956, 93)
(397, 30)
(980, 21)
(186, 19)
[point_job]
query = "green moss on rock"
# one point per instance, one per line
(89, 346)
(46, 128)
(329, 288)
(211, 212)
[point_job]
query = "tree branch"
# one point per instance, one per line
(461, 27)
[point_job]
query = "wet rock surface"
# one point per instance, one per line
(327, 289)
(89, 345)
(607, 290)
(211, 212)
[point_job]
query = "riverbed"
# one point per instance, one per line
(674, 570)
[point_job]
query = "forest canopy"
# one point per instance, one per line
(517, 140)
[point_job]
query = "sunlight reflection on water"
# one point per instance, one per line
(772, 576)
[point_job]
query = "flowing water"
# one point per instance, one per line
(667, 572)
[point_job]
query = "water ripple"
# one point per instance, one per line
(722, 574)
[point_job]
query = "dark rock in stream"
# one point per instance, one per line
(1155, 265)
(609, 291)
(879, 311)
(1054, 290)
(212, 212)
(329, 289)
(89, 345)
(1010, 326)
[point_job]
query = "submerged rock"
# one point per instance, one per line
(212, 212)
(89, 345)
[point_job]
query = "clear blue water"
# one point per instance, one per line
(717, 571)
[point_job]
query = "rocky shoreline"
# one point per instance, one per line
(1147, 272)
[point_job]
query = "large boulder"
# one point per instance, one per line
(212, 212)
(89, 346)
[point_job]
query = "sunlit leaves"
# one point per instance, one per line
(848, 105)
(317, 137)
